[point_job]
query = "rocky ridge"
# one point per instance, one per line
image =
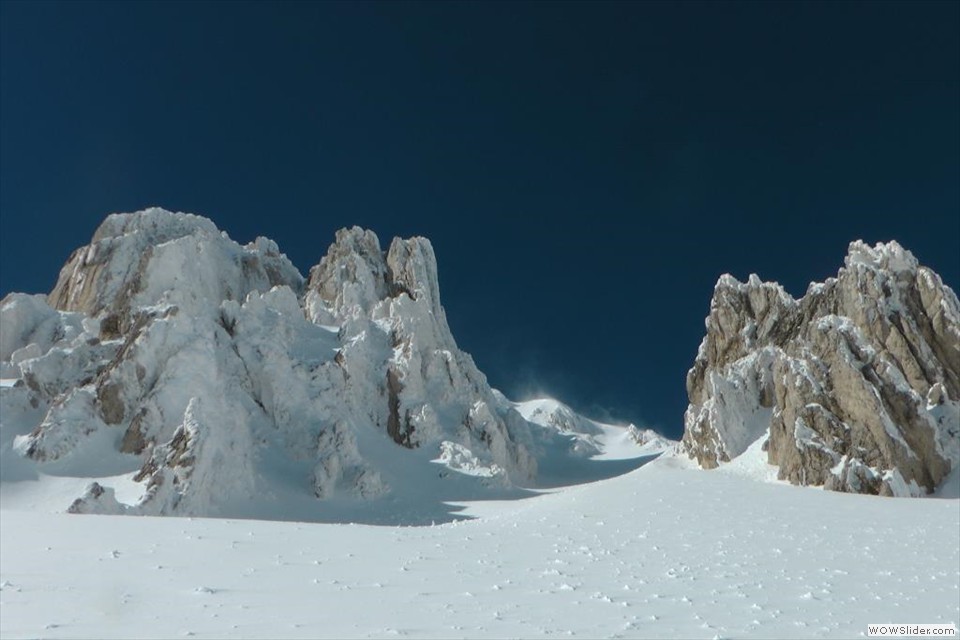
(855, 386)
(200, 367)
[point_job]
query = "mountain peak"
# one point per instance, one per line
(217, 381)
(356, 274)
(856, 387)
(154, 225)
(888, 256)
(156, 257)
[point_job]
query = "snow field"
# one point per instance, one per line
(664, 551)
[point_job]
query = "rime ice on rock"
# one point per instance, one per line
(158, 257)
(856, 386)
(403, 367)
(211, 369)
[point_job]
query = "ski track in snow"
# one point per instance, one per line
(664, 551)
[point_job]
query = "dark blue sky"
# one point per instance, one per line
(585, 171)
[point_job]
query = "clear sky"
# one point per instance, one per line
(585, 171)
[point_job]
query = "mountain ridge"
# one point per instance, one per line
(855, 386)
(218, 378)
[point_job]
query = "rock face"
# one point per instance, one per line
(155, 257)
(400, 350)
(218, 378)
(856, 386)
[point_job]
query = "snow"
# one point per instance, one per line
(733, 407)
(950, 488)
(152, 248)
(664, 551)
(571, 448)
(31, 327)
(890, 255)
(752, 463)
(276, 409)
(587, 437)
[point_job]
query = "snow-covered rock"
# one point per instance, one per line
(402, 366)
(155, 257)
(856, 385)
(217, 380)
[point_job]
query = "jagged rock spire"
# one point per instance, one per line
(856, 386)
(207, 361)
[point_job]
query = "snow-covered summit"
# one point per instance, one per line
(552, 413)
(350, 279)
(155, 225)
(156, 257)
(192, 375)
(889, 256)
(587, 437)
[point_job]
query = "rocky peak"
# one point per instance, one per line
(887, 257)
(412, 269)
(837, 384)
(351, 278)
(356, 274)
(210, 366)
(743, 317)
(426, 391)
(157, 257)
(153, 226)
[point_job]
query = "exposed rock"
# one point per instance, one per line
(399, 428)
(111, 405)
(856, 385)
(97, 499)
(133, 439)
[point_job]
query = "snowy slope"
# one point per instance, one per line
(603, 441)
(408, 498)
(664, 551)
(572, 448)
(434, 482)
